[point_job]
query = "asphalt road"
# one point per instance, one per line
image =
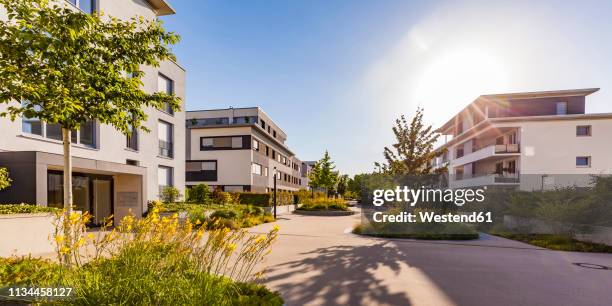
(317, 261)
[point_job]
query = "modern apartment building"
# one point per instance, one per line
(240, 149)
(113, 174)
(531, 140)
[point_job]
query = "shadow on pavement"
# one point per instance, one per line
(340, 275)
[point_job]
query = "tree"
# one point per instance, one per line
(413, 152)
(5, 180)
(313, 177)
(67, 67)
(342, 185)
(325, 176)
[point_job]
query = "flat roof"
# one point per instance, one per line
(161, 7)
(522, 95)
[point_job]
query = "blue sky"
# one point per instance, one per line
(335, 74)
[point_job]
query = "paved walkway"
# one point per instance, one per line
(317, 261)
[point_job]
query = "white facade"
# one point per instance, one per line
(134, 171)
(244, 146)
(528, 147)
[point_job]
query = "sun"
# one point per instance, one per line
(454, 78)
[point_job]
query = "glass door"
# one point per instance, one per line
(102, 200)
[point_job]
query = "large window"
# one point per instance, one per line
(165, 135)
(164, 177)
(207, 121)
(245, 120)
(87, 6)
(32, 125)
(224, 143)
(236, 142)
(256, 169)
(255, 144)
(197, 171)
(85, 136)
(561, 108)
(165, 85)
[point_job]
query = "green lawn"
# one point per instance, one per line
(557, 242)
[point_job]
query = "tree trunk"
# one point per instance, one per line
(67, 170)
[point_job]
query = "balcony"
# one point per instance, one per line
(492, 151)
(507, 148)
(465, 181)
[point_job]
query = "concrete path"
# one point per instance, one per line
(317, 261)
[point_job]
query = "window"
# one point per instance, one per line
(209, 165)
(197, 171)
(256, 169)
(266, 171)
(583, 130)
(255, 144)
(267, 151)
(87, 133)
(87, 6)
(263, 124)
(268, 129)
(561, 108)
(274, 133)
(206, 142)
(273, 154)
(208, 121)
(54, 131)
(131, 162)
(31, 125)
(165, 136)
(583, 161)
(245, 120)
(164, 177)
(224, 143)
(165, 85)
(236, 142)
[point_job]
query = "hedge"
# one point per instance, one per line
(258, 199)
(265, 199)
(9, 209)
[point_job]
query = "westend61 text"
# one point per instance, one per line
(406, 217)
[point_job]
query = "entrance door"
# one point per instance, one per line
(102, 199)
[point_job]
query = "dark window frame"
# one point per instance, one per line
(202, 175)
(588, 129)
(246, 143)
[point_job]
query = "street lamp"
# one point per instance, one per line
(274, 193)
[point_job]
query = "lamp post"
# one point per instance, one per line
(274, 193)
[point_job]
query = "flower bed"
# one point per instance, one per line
(151, 261)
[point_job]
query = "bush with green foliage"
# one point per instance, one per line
(199, 194)
(128, 279)
(324, 204)
(5, 180)
(8, 209)
(252, 198)
(170, 194)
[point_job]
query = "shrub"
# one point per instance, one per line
(5, 180)
(199, 194)
(27, 271)
(157, 261)
(324, 204)
(223, 197)
(170, 194)
(9, 209)
(251, 198)
(224, 214)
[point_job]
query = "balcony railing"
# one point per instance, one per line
(166, 149)
(507, 148)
